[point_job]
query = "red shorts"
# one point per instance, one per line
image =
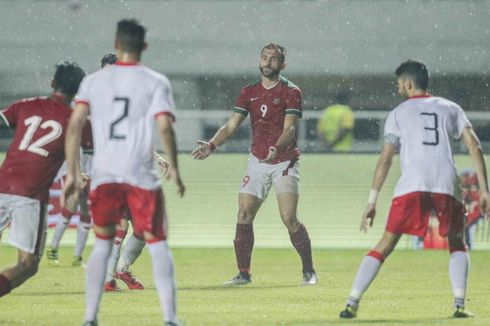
(110, 202)
(409, 214)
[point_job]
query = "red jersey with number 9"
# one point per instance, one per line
(268, 108)
(37, 150)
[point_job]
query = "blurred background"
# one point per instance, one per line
(338, 51)
(210, 49)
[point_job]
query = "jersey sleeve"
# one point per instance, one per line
(163, 101)
(461, 122)
(242, 104)
(83, 92)
(391, 125)
(10, 114)
(294, 103)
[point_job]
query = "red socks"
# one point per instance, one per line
(244, 243)
(5, 286)
(301, 242)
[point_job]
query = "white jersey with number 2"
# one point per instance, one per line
(124, 100)
(426, 127)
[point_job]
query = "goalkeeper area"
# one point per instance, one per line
(412, 288)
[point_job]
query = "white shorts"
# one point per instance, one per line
(261, 176)
(27, 218)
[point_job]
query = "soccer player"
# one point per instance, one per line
(274, 105)
(33, 159)
(423, 128)
(125, 101)
(84, 225)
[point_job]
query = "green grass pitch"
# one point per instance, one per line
(412, 287)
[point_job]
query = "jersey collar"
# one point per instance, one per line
(420, 96)
(122, 63)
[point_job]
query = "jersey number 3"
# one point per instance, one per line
(433, 128)
(33, 124)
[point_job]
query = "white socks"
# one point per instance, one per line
(82, 236)
(163, 276)
(60, 228)
(115, 253)
(459, 264)
(94, 277)
(132, 250)
(367, 272)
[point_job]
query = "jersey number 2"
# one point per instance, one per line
(33, 123)
(433, 128)
(125, 108)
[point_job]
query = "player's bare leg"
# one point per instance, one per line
(248, 206)
(96, 270)
(163, 276)
(368, 270)
(27, 266)
(288, 206)
(459, 264)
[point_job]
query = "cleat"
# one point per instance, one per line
(241, 279)
(90, 323)
(132, 282)
(461, 312)
(171, 323)
(111, 286)
(310, 278)
(77, 261)
(52, 255)
(348, 313)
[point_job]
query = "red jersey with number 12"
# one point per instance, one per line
(37, 150)
(268, 108)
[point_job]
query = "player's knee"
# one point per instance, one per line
(245, 216)
(29, 265)
(456, 242)
(290, 220)
(85, 218)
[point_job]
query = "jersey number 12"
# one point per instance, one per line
(33, 124)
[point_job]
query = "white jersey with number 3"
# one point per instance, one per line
(124, 100)
(426, 127)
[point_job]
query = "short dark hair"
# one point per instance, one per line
(131, 35)
(67, 77)
(279, 48)
(108, 59)
(417, 71)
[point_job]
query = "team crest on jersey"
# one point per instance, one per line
(276, 101)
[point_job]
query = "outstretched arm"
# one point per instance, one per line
(382, 168)
(287, 136)
(222, 135)
(472, 142)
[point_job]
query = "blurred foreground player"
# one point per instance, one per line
(124, 102)
(32, 162)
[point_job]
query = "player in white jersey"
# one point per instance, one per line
(124, 102)
(423, 127)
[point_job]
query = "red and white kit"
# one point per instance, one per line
(32, 162)
(426, 127)
(267, 108)
(124, 100)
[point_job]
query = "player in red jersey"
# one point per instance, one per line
(274, 105)
(32, 162)
(125, 101)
